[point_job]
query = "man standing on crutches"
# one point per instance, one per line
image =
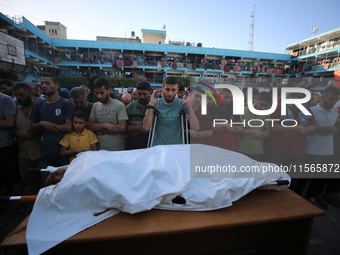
(167, 127)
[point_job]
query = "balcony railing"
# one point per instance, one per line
(140, 63)
(17, 19)
(313, 68)
(39, 52)
(190, 66)
(320, 48)
(326, 66)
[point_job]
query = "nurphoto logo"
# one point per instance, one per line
(238, 104)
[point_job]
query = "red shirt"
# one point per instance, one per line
(288, 145)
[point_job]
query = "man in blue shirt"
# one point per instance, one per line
(53, 117)
(168, 127)
(9, 167)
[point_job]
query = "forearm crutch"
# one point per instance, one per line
(183, 119)
(186, 130)
(152, 130)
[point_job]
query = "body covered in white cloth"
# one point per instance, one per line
(135, 181)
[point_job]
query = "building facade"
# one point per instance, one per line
(151, 59)
(316, 56)
(55, 30)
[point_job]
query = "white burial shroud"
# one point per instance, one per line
(138, 180)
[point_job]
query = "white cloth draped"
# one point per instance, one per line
(135, 181)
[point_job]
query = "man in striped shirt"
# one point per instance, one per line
(136, 111)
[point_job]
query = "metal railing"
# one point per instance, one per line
(17, 19)
(320, 48)
(39, 52)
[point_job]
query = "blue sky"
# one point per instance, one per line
(214, 23)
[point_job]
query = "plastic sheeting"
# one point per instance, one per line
(134, 181)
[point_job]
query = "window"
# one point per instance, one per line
(12, 50)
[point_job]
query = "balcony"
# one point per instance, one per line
(39, 52)
(233, 67)
(320, 48)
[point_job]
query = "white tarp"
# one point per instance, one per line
(134, 181)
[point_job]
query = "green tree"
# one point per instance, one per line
(122, 82)
(184, 80)
(70, 82)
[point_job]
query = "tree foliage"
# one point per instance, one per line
(122, 82)
(184, 80)
(70, 82)
(115, 82)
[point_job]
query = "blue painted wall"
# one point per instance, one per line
(146, 47)
(169, 48)
(28, 26)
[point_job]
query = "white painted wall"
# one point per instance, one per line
(12, 48)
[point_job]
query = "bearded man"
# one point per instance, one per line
(168, 128)
(108, 118)
(29, 142)
(137, 137)
(53, 118)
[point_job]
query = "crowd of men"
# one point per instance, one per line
(40, 127)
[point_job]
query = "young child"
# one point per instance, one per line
(81, 139)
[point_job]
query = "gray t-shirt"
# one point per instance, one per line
(110, 113)
(7, 107)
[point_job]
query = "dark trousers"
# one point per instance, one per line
(9, 168)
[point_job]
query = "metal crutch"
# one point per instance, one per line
(186, 130)
(181, 113)
(183, 118)
(152, 130)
